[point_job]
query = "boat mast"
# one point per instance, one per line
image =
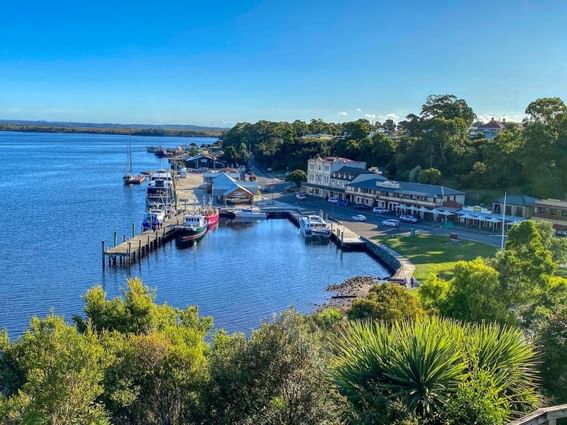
(129, 154)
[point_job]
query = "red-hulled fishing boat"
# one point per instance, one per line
(212, 216)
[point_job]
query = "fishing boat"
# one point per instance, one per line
(193, 228)
(314, 226)
(161, 191)
(130, 178)
(154, 219)
(250, 213)
(212, 216)
(160, 152)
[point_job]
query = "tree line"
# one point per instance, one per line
(484, 347)
(432, 146)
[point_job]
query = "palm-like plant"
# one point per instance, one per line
(422, 363)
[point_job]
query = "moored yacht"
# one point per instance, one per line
(314, 226)
(250, 213)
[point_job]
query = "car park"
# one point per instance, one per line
(359, 217)
(408, 218)
(391, 223)
(377, 210)
(361, 207)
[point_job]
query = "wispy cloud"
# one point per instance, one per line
(390, 116)
(358, 110)
(343, 114)
(371, 117)
(12, 110)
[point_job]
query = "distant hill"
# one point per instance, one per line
(184, 130)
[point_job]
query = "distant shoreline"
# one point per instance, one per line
(157, 132)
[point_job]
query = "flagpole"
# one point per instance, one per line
(503, 214)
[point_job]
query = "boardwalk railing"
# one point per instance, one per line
(545, 416)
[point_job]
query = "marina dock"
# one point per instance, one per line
(140, 245)
(345, 238)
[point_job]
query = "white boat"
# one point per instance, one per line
(314, 226)
(154, 219)
(250, 213)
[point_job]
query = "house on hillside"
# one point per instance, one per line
(488, 130)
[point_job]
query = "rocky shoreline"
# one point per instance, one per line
(349, 290)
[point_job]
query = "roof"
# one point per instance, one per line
(349, 172)
(517, 200)
(409, 187)
(223, 182)
(552, 203)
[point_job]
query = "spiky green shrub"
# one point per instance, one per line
(422, 365)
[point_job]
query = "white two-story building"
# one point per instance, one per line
(323, 176)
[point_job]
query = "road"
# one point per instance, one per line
(372, 226)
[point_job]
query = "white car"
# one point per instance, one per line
(301, 196)
(333, 201)
(408, 219)
(377, 210)
(391, 223)
(359, 217)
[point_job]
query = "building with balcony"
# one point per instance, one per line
(396, 196)
(319, 172)
(553, 211)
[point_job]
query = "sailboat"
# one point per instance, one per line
(130, 178)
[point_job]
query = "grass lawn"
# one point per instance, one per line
(435, 254)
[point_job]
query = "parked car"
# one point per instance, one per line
(301, 196)
(391, 223)
(408, 219)
(359, 217)
(361, 207)
(333, 201)
(377, 210)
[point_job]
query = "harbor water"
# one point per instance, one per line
(62, 194)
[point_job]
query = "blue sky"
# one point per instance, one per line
(219, 62)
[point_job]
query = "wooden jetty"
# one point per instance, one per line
(139, 245)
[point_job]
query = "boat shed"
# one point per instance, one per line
(227, 189)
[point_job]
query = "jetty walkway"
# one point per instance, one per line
(131, 250)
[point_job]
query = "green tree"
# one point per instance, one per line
(357, 130)
(551, 338)
(277, 376)
(388, 301)
(430, 176)
(52, 375)
(389, 126)
(297, 177)
(136, 312)
(546, 110)
(475, 294)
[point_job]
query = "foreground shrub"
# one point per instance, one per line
(426, 364)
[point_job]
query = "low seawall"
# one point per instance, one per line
(401, 268)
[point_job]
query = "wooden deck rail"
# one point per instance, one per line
(545, 416)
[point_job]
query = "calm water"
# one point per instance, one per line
(62, 194)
